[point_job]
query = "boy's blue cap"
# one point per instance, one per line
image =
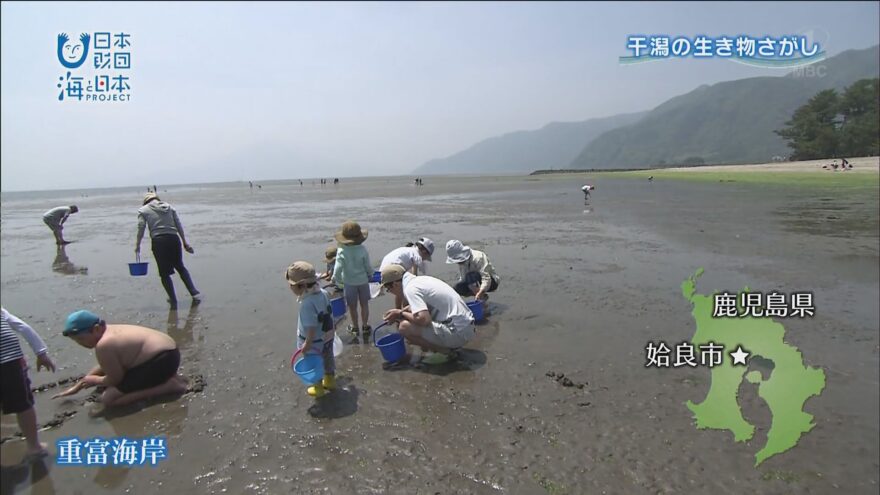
(80, 321)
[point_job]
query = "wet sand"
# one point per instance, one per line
(584, 288)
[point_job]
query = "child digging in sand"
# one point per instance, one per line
(314, 326)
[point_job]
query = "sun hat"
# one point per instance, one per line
(456, 252)
(351, 233)
(392, 273)
(300, 272)
(80, 321)
(149, 197)
(428, 244)
(330, 254)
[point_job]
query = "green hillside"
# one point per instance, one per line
(729, 122)
(553, 146)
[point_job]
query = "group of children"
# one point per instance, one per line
(348, 267)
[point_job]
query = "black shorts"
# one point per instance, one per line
(15, 392)
(168, 253)
(153, 372)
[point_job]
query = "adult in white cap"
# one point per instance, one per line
(166, 234)
(412, 257)
(436, 318)
(476, 275)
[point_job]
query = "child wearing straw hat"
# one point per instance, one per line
(353, 271)
(314, 326)
(330, 259)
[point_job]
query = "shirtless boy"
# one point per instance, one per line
(134, 362)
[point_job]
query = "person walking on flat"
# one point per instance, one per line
(166, 234)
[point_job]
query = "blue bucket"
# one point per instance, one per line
(138, 269)
(392, 347)
(337, 306)
(476, 308)
(377, 277)
(309, 368)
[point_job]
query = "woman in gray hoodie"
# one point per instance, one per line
(166, 234)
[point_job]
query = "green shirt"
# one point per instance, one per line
(352, 265)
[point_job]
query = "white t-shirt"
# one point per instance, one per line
(407, 257)
(442, 302)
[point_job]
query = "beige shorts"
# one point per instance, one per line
(445, 336)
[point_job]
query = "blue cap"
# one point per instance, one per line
(80, 321)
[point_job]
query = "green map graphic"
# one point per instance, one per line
(786, 390)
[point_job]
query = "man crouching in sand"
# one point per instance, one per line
(134, 363)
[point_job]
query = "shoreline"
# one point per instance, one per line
(869, 164)
(865, 173)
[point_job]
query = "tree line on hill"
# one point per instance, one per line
(834, 125)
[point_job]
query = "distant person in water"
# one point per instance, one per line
(55, 218)
(586, 189)
(166, 234)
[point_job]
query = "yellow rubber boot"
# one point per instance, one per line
(316, 390)
(329, 382)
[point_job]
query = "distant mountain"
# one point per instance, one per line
(553, 146)
(729, 122)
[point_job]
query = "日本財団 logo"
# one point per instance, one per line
(98, 67)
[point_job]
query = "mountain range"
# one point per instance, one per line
(553, 146)
(724, 123)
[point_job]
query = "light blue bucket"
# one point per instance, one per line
(309, 368)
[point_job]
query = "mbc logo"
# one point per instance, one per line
(810, 71)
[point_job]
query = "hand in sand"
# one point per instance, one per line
(43, 361)
(72, 390)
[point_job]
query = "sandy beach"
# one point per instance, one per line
(864, 165)
(584, 288)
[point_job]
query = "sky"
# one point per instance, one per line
(229, 91)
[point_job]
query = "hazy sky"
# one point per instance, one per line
(238, 91)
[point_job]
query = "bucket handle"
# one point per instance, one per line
(383, 324)
(295, 354)
(137, 256)
(299, 352)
